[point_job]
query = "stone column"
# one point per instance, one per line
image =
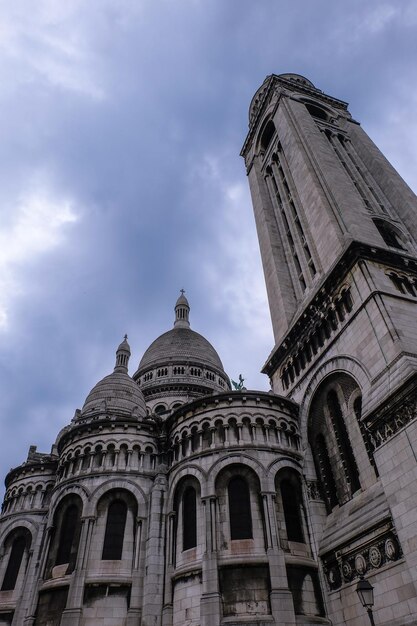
(282, 607)
(170, 566)
(73, 611)
(210, 597)
(29, 597)
(154, 559)
(39, 561)
(135, 610)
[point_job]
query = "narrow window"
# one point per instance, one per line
(239, 509)
(267, 134)
(189, 518)
(13, 566)
(115, 530)
(325, 472)
(66, 539)
(292, 513)
(343, 442)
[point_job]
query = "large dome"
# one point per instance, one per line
(181, 344)
(180, 365)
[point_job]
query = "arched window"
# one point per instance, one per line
(390, 236)
(115, 530)
(69, 526)
(316, 111)
(291, 503)
(239, 509)
(189, 519)
(332, 429)
(15, 561)
(342, 437)
(267, 134)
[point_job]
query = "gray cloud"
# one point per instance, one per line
(121, 127)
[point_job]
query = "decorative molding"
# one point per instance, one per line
(354, 253)
(377, 548)
(400, 410)
(314, 490)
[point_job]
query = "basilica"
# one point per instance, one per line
(171, 499)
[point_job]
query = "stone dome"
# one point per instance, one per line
(181, 344)
(116, 393)
(180, 364)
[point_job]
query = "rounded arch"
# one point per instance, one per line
(12, 525)
(178, 475)
(241, 516)
(290, 506)
(336, 365)
(65, 535)
(128, 485)
(317, 109)
(187, 508)
(283, 462)
(391, 234)
(332, 426)
(56, 499)
(266, 134)
(234, 459)
(15, 551)
(267, 129)
(116, 512)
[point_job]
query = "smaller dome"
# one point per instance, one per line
(116, 393)
(182, 312)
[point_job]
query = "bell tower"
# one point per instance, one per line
(337, 229)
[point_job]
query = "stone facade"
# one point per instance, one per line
(171, 500)
(337, 232)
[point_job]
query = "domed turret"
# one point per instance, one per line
(180, 365)
(182, 312)
(117, 393)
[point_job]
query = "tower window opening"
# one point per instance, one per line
(239, 509)
(267, 134)
(389, 235)
(316, 111)
(115, 530)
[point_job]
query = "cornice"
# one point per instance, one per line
(273, 81)
(230, 398)
(354, 252)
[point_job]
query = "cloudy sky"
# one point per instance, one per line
(121, 125)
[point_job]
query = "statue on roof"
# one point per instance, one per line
(238, 386)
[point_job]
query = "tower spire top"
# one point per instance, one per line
(122, 356)
(182, 311)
